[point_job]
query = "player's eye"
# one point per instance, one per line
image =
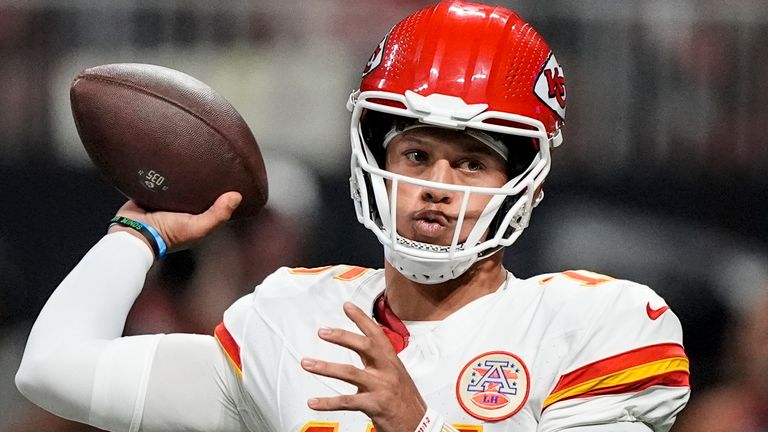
(471, 165)
(416, 156)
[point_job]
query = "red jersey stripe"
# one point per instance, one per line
(669, 379)
(230, 346)
(619, 362)
(632, 371)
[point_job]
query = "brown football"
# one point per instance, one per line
(166, 140)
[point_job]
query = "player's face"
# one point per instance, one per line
(427, 214)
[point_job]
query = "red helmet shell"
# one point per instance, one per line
(482, 54)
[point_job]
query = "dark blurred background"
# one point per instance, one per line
(661, 179)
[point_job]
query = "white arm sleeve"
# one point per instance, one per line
(77, 366)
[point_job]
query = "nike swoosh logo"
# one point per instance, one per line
(654, 314)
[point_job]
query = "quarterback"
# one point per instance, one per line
(452, 127)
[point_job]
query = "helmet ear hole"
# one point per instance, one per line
(374, 126)
(493, 228)
(522, 152)
(374, 209)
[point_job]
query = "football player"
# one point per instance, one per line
(452, 127)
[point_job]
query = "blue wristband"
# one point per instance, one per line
(153, 237)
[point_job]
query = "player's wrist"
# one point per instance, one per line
(150, 236)
(117, 228)
(432, 422)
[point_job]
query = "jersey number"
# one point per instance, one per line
(586, 278)
(349, 274)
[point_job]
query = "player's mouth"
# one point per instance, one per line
(430, 224)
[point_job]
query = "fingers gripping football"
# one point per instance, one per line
(385, 390)
(180, 230)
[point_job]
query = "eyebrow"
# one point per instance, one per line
(469, 147)
(476, 146)
(481, 148)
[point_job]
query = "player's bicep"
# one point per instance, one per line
(190, 387)
(628, 366)
(656, 407)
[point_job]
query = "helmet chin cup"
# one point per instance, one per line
(427, 271)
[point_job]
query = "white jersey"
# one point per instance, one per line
(541, 354)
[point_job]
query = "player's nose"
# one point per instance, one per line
(440, 172)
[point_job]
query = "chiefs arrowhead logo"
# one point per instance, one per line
(375, 60)
(550, 86)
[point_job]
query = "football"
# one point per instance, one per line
(165, 139)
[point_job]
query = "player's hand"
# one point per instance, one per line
(180, 230)
(385, 391)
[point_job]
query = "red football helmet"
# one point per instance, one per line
(463, 66)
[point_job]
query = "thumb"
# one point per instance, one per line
(225, 205)
(218, 213)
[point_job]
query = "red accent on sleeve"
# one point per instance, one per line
(670, 379)
(230, 346)
(632, 371)
(618, 363)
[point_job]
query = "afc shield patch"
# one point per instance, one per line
(493, 386)
(550, 86)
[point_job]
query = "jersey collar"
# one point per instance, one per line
(393, 327)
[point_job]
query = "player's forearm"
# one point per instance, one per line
(85, 312)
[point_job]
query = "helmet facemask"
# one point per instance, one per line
(501, 221)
